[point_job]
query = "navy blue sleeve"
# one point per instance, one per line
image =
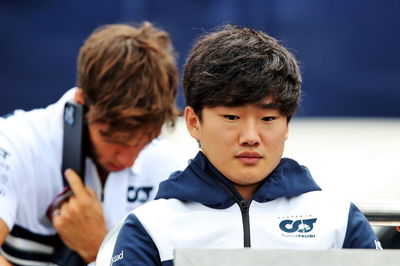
(359, 233)
(134, 246)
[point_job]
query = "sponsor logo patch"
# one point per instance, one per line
(138, 194)
(297, 226)
(3, 153)
(118, 257)
(3, 171)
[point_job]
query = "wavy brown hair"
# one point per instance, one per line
(129, 77)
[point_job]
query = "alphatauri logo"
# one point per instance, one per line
(300, 228)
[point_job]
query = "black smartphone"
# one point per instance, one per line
(73, 155)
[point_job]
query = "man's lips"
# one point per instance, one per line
(249, 157)
(115, 167)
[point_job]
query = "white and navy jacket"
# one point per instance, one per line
(30, 178)
(199, 208)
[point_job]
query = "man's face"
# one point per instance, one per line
(244, 143)
(116, 152)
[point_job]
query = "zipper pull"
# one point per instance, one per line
(243, 205)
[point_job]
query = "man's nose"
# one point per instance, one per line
(126, 157)
(249, 135)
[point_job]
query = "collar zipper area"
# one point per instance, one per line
(244, 208)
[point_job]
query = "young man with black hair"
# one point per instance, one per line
(242, 88)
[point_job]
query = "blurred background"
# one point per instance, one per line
(348, 49)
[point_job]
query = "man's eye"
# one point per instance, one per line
(269, 118)
(231, 117)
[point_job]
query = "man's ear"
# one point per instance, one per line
(79, 97)
(192, 123)
(288, 119)
(287, 132)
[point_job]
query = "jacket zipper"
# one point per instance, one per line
(244, 209)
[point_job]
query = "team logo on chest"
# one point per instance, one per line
(297, 226)
(138, 194)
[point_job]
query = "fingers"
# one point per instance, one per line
(91, 192)
(4, 262)
(75, 182)
(63, 214)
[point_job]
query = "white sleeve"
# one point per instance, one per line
(161, 159)
(8, 193)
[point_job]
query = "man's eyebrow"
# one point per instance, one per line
(114, 138)
(272, 105)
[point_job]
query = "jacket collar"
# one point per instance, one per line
(201, 182)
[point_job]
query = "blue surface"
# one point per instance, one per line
(348, 50)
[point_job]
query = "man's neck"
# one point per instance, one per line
(246, 191)
(103, 174)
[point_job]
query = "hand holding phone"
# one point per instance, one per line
(80, 221)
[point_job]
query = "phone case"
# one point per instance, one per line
(74, 137)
